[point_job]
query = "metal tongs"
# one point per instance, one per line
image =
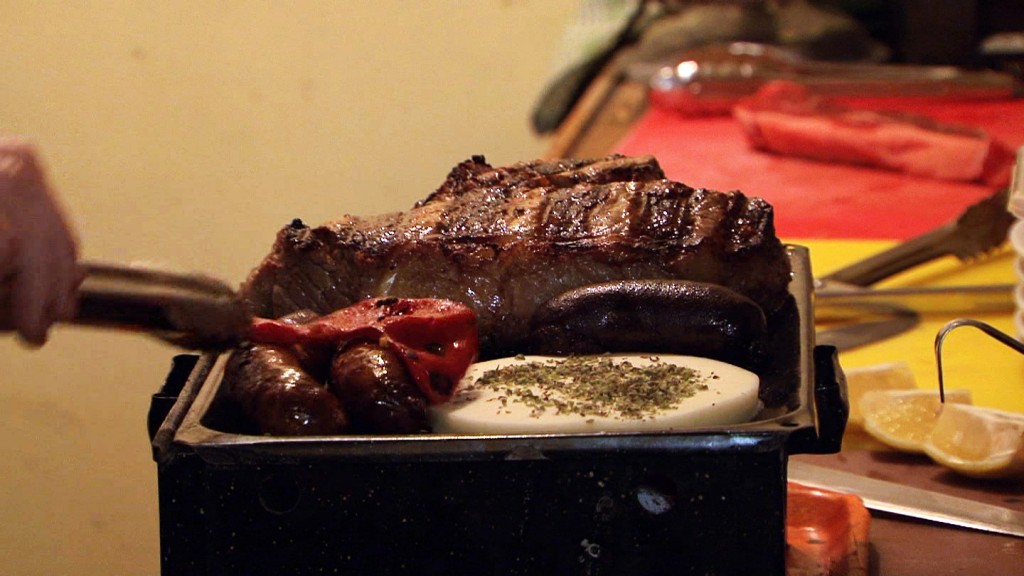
(711, 79)
(188, 310)
(846, 294)
(981, 228)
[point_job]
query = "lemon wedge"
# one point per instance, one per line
(903, 419)
(863, 379)
(978, 442)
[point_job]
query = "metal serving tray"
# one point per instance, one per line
(702, 501)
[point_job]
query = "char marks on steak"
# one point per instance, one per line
(505, 240)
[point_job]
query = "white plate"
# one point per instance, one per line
(730, 397)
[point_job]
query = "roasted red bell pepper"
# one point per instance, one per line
(436, 339)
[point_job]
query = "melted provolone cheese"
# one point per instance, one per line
(726, 394)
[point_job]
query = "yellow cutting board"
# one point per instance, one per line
(993, 372)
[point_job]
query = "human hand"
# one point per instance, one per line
(39, 272)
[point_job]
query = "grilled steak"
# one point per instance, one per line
(505, 240)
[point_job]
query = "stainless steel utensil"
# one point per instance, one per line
(711, 79)
(981, 228)
(834, 301)
(189, 310)
(852, 322)
(843, 294)
(854, 335)
(911, 502)
(992, 331)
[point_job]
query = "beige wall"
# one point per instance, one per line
(186, 133)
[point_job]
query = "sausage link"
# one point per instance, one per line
(315, 358)
(279, 396)
(375, 388)
(666, 316)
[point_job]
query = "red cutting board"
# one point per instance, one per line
(818, 199)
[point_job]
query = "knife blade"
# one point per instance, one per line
(848, 336)
(912, 502)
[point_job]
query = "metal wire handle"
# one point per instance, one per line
(986, 328)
